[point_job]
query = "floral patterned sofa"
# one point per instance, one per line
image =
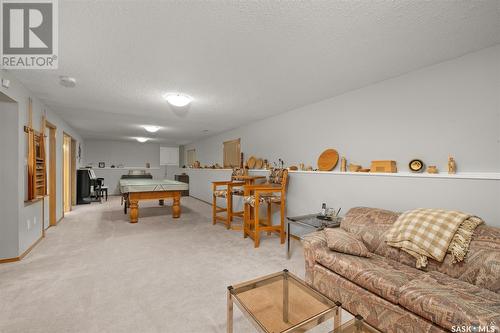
(394, 296)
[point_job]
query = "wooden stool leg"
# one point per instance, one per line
(256, 222)
(282, 222)
(214, 207)
(229, 211)
(230, 207)
(269, 217)
(246, 213)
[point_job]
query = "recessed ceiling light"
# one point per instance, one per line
(151, 128)
(178, 99)
(67, 81)
(142, 140)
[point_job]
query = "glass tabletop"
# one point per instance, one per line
(282, 302)
(312, 220)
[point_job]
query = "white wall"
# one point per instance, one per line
(449, 108)
(30, 214)
(9, 240)
(129, 154)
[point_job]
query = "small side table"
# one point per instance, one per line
(310, 223)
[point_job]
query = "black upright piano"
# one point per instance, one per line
(85, 182)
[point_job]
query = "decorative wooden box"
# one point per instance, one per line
(384, 166)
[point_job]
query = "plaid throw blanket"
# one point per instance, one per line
(431, 233)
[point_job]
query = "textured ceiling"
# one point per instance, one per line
(240, 60)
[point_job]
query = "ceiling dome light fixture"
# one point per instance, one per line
(151, 128)
(178, 99)
(67, 81)
(142, 140)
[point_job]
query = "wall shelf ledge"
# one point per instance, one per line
(443, 175)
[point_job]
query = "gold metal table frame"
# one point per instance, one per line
(281, 302)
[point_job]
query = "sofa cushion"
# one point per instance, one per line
(450, 302)
(344, 242)
(380, 275)
(376, 311)
(371, 225)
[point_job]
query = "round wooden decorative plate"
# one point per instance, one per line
(251, 162)
(328, 160)
(259, 163)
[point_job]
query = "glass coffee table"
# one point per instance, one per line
(306, 224)
(282, 302)
(279, 302)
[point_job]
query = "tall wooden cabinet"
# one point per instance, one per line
(37, 170)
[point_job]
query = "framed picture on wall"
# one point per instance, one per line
(102, 164)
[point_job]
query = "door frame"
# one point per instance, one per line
(72, 171)
(52, 173)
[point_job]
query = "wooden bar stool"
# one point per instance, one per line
(272, 193)
(226, 190)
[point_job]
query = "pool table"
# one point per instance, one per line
(134, 190)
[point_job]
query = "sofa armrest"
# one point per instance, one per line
(312, 243)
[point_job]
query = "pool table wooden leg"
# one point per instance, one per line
(134, 211)
(176, 207)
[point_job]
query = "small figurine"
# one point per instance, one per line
(354, 167)
(282, 163)
(343, 164)
(432, 169)
(452, 165)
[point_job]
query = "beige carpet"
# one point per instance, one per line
(95, 272)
